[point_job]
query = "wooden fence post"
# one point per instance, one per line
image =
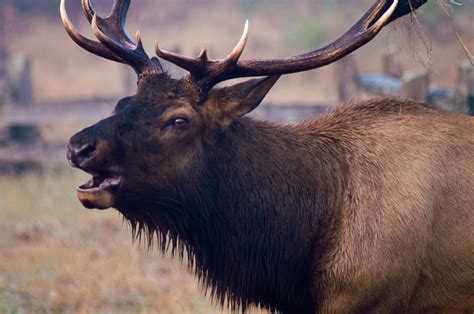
(24, 134)
(20, 80)
(346, 77)
(415, 85)
(465, 85)
(4, 81)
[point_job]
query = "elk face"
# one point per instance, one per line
(149, 135)
(157, 137)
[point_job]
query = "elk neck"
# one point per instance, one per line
(267, 196)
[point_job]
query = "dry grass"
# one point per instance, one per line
(58, 257)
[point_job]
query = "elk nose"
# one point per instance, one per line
(78, 153)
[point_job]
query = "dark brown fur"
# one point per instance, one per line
(365, 209)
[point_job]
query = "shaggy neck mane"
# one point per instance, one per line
(251, 221)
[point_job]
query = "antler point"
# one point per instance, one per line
(202, 55)
(234, 56)
(161, 53)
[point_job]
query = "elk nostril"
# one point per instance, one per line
(85, 151)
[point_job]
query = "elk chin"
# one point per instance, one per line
(98, 192)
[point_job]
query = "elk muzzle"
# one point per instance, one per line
(92, 155)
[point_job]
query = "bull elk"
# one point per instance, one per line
(367, 209)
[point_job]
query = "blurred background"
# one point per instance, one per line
(56, 256)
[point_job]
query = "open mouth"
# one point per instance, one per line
(99, 183)
(98, 192)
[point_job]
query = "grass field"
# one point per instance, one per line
(56, 256)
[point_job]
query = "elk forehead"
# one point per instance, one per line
(158, 87)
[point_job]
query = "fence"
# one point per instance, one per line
(414, 85)
(22, 120)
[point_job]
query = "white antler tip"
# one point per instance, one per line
(62, 10)
(239, 48)
(160, 52)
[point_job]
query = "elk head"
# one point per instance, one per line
(158, 137)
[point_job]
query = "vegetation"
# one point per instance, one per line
(58, 257)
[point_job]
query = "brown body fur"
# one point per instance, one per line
(393, 182)
(404, 236)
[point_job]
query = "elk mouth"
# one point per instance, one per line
(99, 191)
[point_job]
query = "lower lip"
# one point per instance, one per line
(99, 200)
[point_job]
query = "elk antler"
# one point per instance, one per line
(114, 44)
(202, 68)
(206, 73)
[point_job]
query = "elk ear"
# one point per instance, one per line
(234, 101)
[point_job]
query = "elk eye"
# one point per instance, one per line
(179, 122)
(176, 124)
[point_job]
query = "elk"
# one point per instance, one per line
(366, 209)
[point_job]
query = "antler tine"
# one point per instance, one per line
(88, 44)
(135, 56)
(119, 12)
(406, 7)
(203, 71)
(189, 64)
(234, 56)
(202, 55)
(114, 24)
(114, 42)
(88, 10)
(111, 33)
